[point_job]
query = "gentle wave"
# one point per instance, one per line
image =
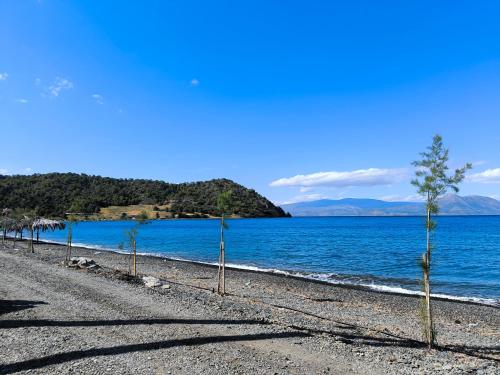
(323, 277)
(377, 287)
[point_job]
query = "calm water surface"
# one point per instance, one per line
(378, 251)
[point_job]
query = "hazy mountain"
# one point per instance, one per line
(450, 204)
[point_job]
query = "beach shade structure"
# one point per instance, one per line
(43, 225)
(19, 226)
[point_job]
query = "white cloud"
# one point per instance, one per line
(305, 198)
(194, 82)
(59, 85)
(489, 176)
(38, 81)
(361, 177)
(4, 171)
(478, 163)
(305, 189)
(98, 98)
(3, 76)
(28, 170)
(22, 101)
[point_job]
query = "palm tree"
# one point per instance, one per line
(432, 182)
(224, 205)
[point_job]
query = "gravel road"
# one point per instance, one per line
(58, 320)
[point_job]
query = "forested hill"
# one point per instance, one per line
(55, 194)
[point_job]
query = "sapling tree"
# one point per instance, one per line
(432, 182)
(131, 235)
(30, 221)
(132, 240)
(69, 240)
(224, 205)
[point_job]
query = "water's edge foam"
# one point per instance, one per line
(305, 276)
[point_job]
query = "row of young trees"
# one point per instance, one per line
(224, 206)
(431, 180)
(17, 221)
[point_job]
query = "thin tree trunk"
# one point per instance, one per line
(223, 268)
(37, 235)
(427, 286)
(221, 284)
(68, 244)
(135, 258)
(130, 262)
(4, 231)
(15, 238)
(219, 273)
(32, 248)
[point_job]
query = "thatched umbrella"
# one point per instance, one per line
(43, 225)
(18, 226)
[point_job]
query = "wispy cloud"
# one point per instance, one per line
(3, 76)
(478, 163)
(361, 177)
(59, 85)
(38, 81)
(489, 176)
(4, 171)
(21, 100)
(194, 82)
(305, 198)
(98, 98)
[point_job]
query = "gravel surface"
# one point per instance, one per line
(56, 319)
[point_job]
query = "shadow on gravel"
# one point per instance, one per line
(122, 349)
(491, 353)
(118, 322)
(482, 352)
(353, 338)
(8, 306)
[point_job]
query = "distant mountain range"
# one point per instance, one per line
(450, 204)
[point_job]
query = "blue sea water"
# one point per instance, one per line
(379, 252)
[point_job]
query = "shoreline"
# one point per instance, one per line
(375, 288)
(267, 321)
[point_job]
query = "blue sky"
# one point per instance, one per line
(298, 100)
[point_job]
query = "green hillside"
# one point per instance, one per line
(56, 194)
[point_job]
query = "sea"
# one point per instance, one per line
(381, 253)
